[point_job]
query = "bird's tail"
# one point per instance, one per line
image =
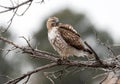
(88, 51)
(89, 54)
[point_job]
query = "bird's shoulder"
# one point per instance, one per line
(67, 28)
(70, 35)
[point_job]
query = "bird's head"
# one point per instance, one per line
(52, 22)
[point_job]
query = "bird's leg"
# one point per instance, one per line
(60, 60)
(88, 59)
(65, 58)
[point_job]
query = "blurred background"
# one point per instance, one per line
(97, 21)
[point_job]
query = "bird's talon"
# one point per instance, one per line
(59, 61)
(65, 59)
(62, 60)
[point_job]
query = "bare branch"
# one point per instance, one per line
(48, 56)
(24, 10)
(26, 41)
(14, 81)
(14, 7)
(111, 78)
(52, 57)
(10, 21)
(27, 79)
(9, 42)
(49, 78)
(33, 53)
(6, 77)
(12, 2)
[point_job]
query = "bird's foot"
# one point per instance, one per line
(63, 60)
(59, 61)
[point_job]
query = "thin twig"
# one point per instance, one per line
(24, 10)
(15, 12)
(27, 79)
(6, 77)
(14, 7)
(10, 21)
(26, 41)
(51, 80)
(10, 42)
(12, 2)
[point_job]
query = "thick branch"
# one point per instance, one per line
(32, 52)
(52, 57)
(14, 81)
(56, 62)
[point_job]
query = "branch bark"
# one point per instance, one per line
(14, 7)
(14, 81)
(48, 56)
(55, 61)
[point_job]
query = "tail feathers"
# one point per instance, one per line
(85, 52)
(88, 51)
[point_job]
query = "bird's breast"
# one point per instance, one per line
(57, 41)
(52, 33)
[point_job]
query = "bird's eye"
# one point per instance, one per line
(53, 24)
(53, 20)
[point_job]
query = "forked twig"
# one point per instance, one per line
(15, 8)
(27, 79)
(27, 42)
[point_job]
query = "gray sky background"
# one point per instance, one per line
(104, 14)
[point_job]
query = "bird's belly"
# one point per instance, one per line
(61, 46)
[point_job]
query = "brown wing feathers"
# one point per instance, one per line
(71, 37)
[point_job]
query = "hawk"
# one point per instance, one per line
(65, 39)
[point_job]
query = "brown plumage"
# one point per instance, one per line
(71, 38)
(65, 39)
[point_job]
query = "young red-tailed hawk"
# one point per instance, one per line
(65, 39)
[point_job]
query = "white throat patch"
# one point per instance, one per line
(52, 34)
